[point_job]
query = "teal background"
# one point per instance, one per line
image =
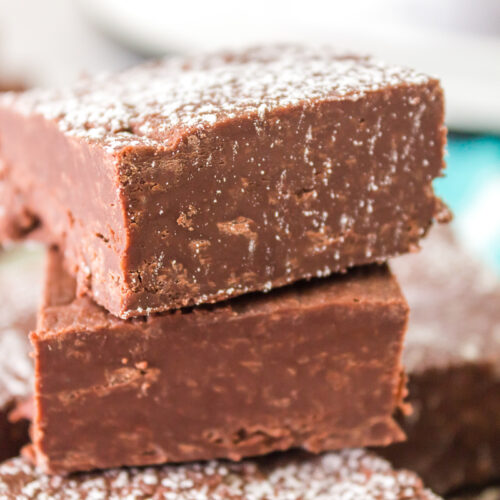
(471, 188)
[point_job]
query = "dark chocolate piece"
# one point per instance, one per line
(347, 475)
(452, 356)
(315, 365)
(20, 280)
(11, 85)
(13, 435)
(191, 181)
(492, 493)
(17, 221)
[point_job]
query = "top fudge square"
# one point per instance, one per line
(193, 180)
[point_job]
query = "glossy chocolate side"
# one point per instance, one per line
(314, 365)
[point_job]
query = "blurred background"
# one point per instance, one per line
(53, 42)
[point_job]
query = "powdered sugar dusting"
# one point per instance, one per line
(153, 104)
(347, 475)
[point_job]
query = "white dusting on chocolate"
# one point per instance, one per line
(153, 103)
(347, 475)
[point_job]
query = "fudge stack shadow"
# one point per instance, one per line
(176, 193)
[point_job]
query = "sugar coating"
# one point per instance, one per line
(153, 104)
(346, 475)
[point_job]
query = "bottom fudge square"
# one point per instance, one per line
(346, 475)
(315, 365)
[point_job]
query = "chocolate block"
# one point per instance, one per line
(20, 281)
(492, 493)
(316, 365)
(191, 181)
(452, 355)
(10, 85)
(17, 221)
(348, 475)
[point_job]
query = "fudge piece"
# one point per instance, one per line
(17, 222)
(20, 280)
(193, 180)
(16, 219)
(347, 475)
(10, 85)
(452, 356)
(316, 365)
(492, 493)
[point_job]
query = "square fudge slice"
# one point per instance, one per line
(314, 365)
(487, 493)
(346, 475)
(20, 283)
(193, 180)
(452, 356)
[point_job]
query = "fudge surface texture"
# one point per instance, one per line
(452, 356)
(314, 365)
(347, 475)
(20, 284)
(193, 180)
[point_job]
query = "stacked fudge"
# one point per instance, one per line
(453, 433)
(171, 196)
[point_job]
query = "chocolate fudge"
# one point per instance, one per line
(347, 475)
(20, 281)
(315, 365)
(11, 85)
(452, 356)
(492, 493)
(193, 180)
(16, 220)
